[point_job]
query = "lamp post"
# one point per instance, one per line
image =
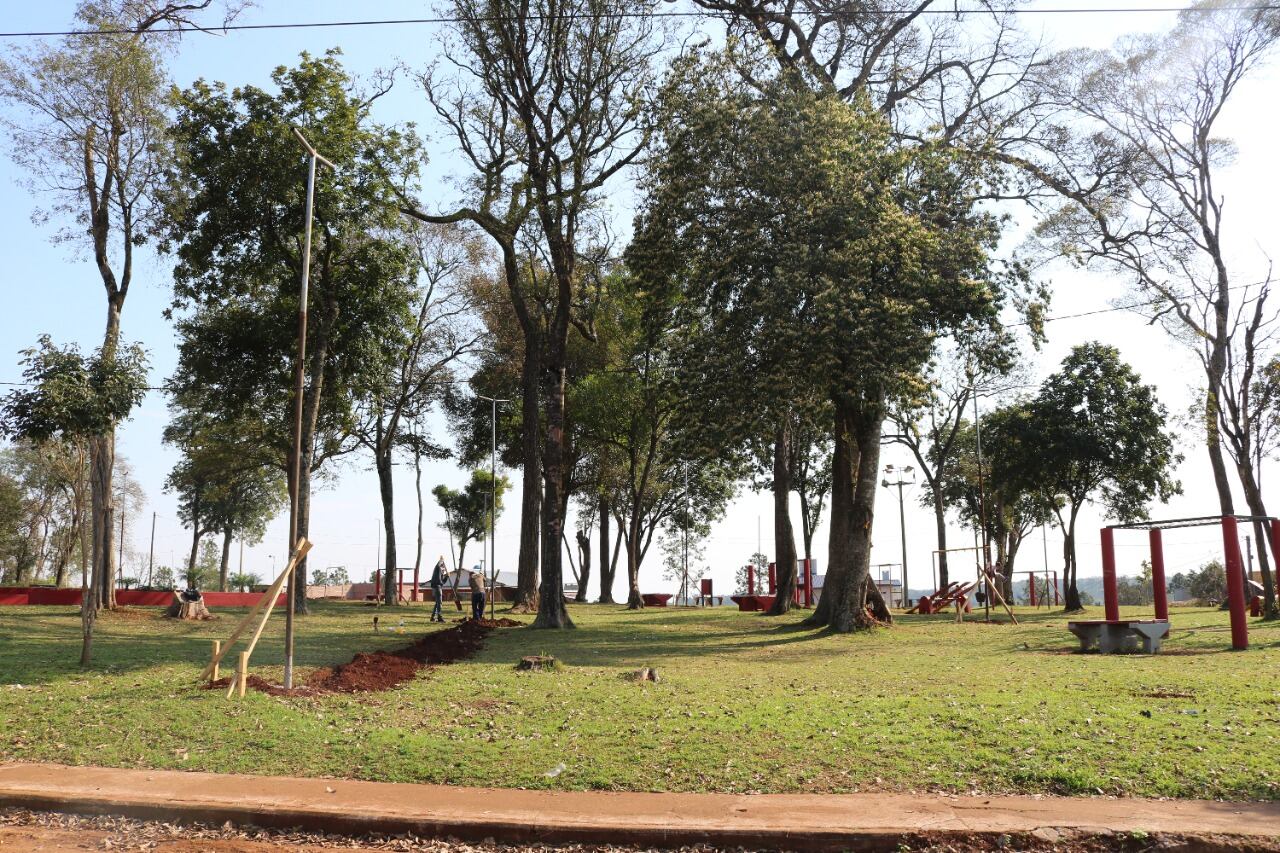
(906, 476)
(493, 500)
(313, 157)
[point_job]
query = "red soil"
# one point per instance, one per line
(383, 670)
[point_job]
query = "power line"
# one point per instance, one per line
(1157, 300)
(702, 13)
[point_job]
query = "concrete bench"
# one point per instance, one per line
(1121, 635)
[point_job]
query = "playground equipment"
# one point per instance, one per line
(1031, 587)
(1115, 631)
(957, 594)
(755, 600)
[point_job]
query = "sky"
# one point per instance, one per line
(55, 289)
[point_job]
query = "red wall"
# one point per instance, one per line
(13, 595)
(134, 597)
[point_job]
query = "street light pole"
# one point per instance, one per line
(299, 369)
(902, 481)
(493, 499)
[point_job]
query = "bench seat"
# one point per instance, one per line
(1120, 635)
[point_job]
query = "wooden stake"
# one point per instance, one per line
(242, 675)
(269, 599)
(217, 656)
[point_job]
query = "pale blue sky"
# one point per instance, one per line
(53, 289)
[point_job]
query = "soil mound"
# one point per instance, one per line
(373, 671)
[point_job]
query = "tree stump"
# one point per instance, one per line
(644, 673)
(538, 663)
(182, 608)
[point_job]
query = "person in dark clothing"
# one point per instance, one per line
(477, 595)
(437, 589)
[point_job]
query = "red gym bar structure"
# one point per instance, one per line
(1231, 560)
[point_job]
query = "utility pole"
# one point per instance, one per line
(151, 560)
(120, 558)
(902, 474)
(685, 582)
(298, 372)
(493, 499)
(982, 512)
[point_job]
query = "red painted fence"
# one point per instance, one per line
(134, 597)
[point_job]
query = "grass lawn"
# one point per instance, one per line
(746, 703)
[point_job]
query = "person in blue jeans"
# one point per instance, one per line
(437, 589)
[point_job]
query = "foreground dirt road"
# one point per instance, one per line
(23, 831)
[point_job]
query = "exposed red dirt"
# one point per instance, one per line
(384, 670)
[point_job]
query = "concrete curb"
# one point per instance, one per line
(782, 821)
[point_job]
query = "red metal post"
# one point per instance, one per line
(751, 579)
(808, 584)
(773, 578)
(1235, 584)
(1158, 588)
(1111, 598)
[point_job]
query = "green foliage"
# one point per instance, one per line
(244, 581)
(467, 510)
(1208, 584)
(1093, 433)
(205, 573)
(234, 219)
(811, 255)
(71, 395)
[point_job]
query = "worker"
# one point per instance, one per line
(477, 594)
(437, 589)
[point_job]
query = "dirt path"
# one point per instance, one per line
(24, 831)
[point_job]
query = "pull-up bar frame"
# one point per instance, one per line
(1231, 552)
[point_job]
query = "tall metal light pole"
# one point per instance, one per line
(313, 157)
(151, 560)
(493, 500)
(902, 475)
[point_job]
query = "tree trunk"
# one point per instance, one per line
(848, 609)
(226, 558)
(551, 608)
(844, 460)
(634, 599)
(1253, 497)
(584, 552)
(940, 523)
(390, 575)
(526, 600)
(784, 540)
(1070, 591)
(88, 601)
(196, 533)
(607, 566)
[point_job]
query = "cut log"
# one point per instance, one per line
(538, 663)
(196, 610)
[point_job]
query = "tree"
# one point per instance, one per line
(1092, 434)
(1208, 584)
(244, 581)
(567, 78)
(233, 219)
(841, 297)
(413, 377)
(467, 510)
(1010, 507)
(73, 398)
(930, 416)
(1127, 139)
(89, 130)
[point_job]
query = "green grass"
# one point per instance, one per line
(746, 703)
